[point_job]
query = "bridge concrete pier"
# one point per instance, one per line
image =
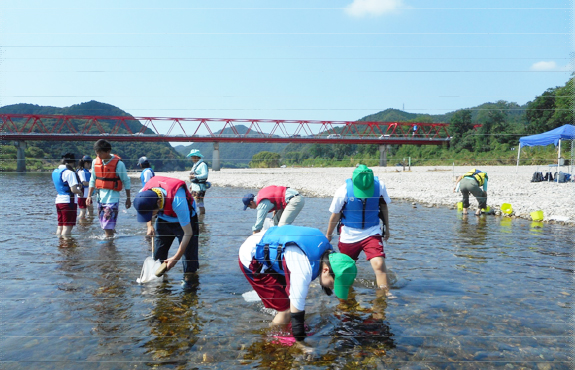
(216, 157)
(20, 155)
(383, 149)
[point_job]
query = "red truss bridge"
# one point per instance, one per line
(34, 127)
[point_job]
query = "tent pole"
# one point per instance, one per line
(558, 161)
(518, 154)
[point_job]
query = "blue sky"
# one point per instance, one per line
(314, 59)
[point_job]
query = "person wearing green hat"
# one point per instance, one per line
(357, 206)
(281, 263)
(198, 178)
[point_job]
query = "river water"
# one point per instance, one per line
(477, 292)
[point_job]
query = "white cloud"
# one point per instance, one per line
(360, 8)
(543, 66)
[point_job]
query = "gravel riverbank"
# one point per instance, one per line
(427, 185)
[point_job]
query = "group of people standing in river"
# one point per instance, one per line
(279, 263)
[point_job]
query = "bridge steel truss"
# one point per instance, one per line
(35, 127)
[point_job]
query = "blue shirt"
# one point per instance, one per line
(265, 206)
(180, 207)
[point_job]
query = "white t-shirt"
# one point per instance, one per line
(351, 234)
(147, 175)
(297, 263)
(70, 177)
(82, 176)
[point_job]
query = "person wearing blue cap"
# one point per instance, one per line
(147, 171)
(170, 200)
(359, 204)
(285, 203)
(198, 178)
(84, 174)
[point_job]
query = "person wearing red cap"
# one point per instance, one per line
(170, 200)
(359, 204)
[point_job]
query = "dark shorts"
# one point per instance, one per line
(67, 213)
(81, 203)
(167, 231)
(372, 246)
(272, 288)
(108, 215)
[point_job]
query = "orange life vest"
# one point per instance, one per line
(106, 176)
(171, 186)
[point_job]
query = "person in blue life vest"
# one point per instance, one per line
(358, 205)
(281, 263)
(285, 203)
(198, 178)
(170, 200)
(474, 182)
(147, 171)
(83, 171)
(67, 184)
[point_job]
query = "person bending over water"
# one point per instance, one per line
(285, 203)
(281, 263)
(474, 182)
(170, 200)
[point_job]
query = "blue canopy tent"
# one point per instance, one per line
(565, 132)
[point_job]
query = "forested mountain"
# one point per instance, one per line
(503, 123)
(41, 154)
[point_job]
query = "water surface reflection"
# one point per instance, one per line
(471, 292)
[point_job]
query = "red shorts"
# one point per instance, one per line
(272, 288)
(81, 203)
(372, 246)
(67, 213)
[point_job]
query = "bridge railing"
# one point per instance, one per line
(203, 129)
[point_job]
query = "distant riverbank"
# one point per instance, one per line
(426, 186)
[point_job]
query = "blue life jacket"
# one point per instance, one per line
(269, 251)
(87, 174)
(62, 186)
(361, 213)
(142, 175)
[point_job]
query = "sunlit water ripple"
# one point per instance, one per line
(479, 292)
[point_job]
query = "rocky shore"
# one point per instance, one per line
(428, 186)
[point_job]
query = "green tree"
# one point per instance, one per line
(265, 160)
(540, 112)
(461, 129)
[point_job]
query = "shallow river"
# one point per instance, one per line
(476, 293)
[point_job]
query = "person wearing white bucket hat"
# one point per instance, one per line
(199, 178)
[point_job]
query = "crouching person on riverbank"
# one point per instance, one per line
(108, 178)
(281, 263)
(170, 200)
(67, 184)
(359, 204)
(474, 182)
(285, 203)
